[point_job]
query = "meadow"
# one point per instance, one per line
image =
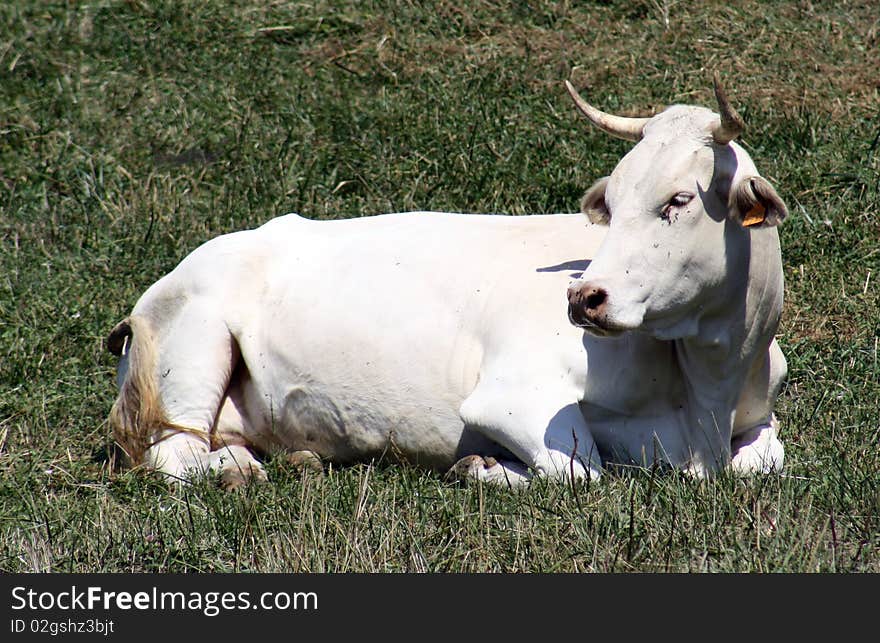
(131, 132)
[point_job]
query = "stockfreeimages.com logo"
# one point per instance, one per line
(208, 603)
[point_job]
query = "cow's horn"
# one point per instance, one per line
(732, 124)
(619, 126)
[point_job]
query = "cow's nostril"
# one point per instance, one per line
(595, 298)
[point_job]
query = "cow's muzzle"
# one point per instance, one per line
(587, 307)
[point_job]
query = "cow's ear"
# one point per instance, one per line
(754, 203)
(593, 203)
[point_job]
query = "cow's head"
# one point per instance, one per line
(680, 209)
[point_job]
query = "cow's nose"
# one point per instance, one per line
(586, 303)
(587, 296)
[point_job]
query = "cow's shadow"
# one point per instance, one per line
(578, 265)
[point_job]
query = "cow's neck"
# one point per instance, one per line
(716, 358)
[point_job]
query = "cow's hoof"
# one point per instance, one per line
(760, 459)
(303, 461)
(235, 477)
(470, 467)
(504, 473)
(758, 450)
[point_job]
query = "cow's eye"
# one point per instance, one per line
(670, 210)
(680, 199)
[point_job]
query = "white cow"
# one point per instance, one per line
(443, 339)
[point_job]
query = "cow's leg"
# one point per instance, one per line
(547, 433)
(755, 445)
(197, 358)
(174, 374)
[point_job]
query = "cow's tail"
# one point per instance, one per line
(137, 413)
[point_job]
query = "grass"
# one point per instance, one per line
(131, 132)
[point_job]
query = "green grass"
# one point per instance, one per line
(131, 132)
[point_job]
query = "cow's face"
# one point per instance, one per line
(678, 208)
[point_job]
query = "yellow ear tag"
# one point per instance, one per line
(755, 216)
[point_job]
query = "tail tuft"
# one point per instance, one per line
(137, 412)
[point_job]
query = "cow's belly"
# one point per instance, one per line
(352, 389)
(345, 426)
